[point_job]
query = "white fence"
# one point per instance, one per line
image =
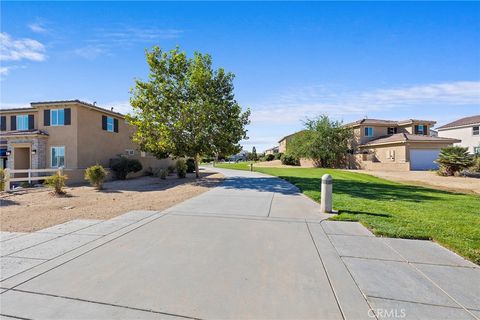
(9, 175)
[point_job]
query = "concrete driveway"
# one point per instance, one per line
(254, 248)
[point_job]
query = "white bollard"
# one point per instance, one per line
(326, 196)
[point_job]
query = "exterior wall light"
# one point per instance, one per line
(34, 151)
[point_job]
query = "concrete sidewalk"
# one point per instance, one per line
(254, 248)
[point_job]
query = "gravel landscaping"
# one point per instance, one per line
(33, 209)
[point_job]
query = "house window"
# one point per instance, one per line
(58, 157)
(368, 132)
(392, 130)
(22, 122)
(476, 131)
(110, 124)
(476, 150)
(420, 129)
(57, 117)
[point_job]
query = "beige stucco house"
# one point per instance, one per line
(71, 134)
(395, 145)
(273, 150)
(465, 129)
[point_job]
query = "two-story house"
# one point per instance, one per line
(465, 129)
(71, 134)
(395, 145)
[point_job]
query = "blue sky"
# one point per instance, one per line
(291, 59)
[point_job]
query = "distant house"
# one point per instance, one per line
(241, 156)
(282, 143)
(273, 150)
(71, 134)
(395, 145)
(465, 129)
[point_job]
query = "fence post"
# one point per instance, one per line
(29, 176)
(6, 178)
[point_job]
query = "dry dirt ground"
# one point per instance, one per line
(33, 209)
(430, 179)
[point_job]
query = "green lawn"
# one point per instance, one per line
(394, 209)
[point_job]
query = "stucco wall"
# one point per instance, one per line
(97, 145)
(465, 134)
(61, 136)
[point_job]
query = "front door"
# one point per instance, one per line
(21, 160)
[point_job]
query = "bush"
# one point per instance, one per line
(207, 160)
(2, 179)
(162, 173)
(269, 157)
(278, 156)
(181, 167)
(453, 160)
(290, 160)
(475, 168)
(96, 176)
(123, 166)
(190, 165)
(57, 182)
(171, 169)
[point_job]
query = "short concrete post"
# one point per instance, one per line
(6, 180)
(251, 166)
(326, 196)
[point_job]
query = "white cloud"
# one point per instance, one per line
(5, 70)
(37, 27)
(298, 104)
(90, 52)
(20, 49)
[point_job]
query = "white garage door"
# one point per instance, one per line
(422, 159)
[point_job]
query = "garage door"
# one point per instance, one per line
(422, 159)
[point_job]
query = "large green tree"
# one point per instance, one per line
(186, 108)
(324, 141)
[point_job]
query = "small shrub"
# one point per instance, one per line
(475, 168)
(26, 184)
(162, 173)
(181, 167)
(290, 160)
(278, 156)
(207, 160)
(56, 182)
(269, 157)
(171, 169)
(190, 165)
(123, 166)
(2, 179)
(96, 175)
(453, 160)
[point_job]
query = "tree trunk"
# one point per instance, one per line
(197, 171)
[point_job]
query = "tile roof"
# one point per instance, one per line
(79, 102)
(385, 122)
(462, 122)
(406, 137)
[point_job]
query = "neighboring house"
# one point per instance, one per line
(395, 145)
(71, 134)
(241, 156)
(465, 129)
(273, 150)
(282, 143)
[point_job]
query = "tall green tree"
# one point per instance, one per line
(186, 108)
(324, 141)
